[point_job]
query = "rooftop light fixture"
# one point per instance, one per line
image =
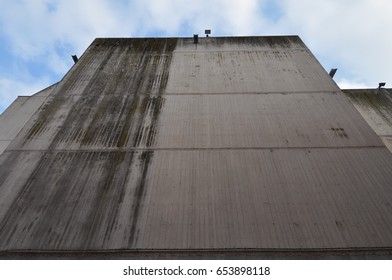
(333, 72)
(75, 58)
(207, 32)
(380, 85)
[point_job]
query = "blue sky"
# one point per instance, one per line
(38, 36)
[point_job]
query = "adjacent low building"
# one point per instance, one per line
(375, 105)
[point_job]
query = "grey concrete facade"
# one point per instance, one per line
(158, 145)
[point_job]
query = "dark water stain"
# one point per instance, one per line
(137, 44)
(140, 190)
(339, 224)
(157, 104)
(80, 110)
(157, 78)
(146, 134)
(265, 41)
(105, 204)
(46, 114)
(65, 167)
(104, 105)
(339, 132)
(28, 199)
(124, 134)
(146, 73)
(117, 196)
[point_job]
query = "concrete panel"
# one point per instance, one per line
(278, 198)
(72, 200)
(261, 120)
(295, 198)
(239, 68)
(16, 169)
(200, 121)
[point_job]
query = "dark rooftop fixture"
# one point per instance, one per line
(380, 85)
(75, 58)
(333, 72)
(195, 38)
(207, 32)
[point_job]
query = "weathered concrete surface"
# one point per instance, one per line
(375, 105)
(295, 198)
(322, 119)
(140, 148)
(110, 100)
(240, 65)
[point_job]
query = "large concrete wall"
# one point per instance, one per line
(161, 144)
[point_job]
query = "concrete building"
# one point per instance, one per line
(239, 147)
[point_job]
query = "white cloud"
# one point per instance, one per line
(352, 33)
(36, 29)
(35, 26)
